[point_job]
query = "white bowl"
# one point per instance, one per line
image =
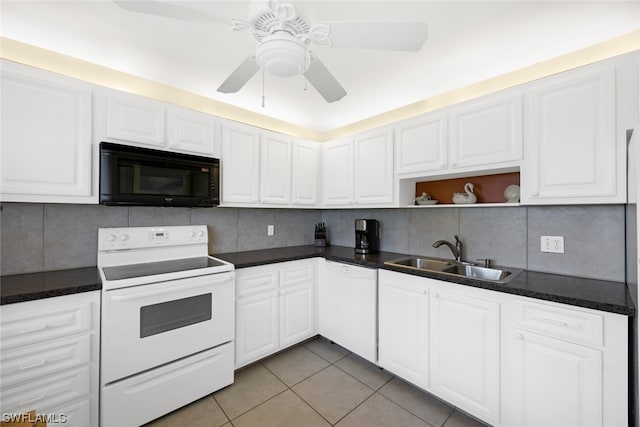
(427, 202)
(512, 193)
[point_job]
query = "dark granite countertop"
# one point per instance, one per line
(48, 284)
(590, 293)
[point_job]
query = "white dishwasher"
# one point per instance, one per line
(347, 302)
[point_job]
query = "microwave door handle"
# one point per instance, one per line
(145, 294)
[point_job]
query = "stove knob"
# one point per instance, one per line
(124, 237)
(192, 234)
(111, 237)
(201, 234)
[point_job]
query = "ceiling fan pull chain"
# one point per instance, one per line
(263, 88)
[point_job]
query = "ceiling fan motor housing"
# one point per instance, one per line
(282, 55)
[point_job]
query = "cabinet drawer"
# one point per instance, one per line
(35, 321)
(77, 414)
(296, 274)
(560, 322)
(27, 363)
(49, 392)
(249, 283)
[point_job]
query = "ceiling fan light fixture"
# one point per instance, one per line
(282, 55)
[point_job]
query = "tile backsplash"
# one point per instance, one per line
(594, 235)
(41, 237)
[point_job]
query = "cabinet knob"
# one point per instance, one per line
(519, 336)
(443, 166)
(534, 194)
(435, 295)
(454, 165)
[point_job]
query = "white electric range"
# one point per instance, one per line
(167, 321)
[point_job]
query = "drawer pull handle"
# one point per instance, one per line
(35, 399)
(36, 329)
(552, 321)
(33, 365)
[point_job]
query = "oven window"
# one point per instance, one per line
(166, 316)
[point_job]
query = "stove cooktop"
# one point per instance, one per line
(121, 272)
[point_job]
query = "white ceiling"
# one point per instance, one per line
(468, 42)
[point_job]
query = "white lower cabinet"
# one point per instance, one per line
(347, 311)
(49, 358)
(465, 351)
(403, 327)
(509, 361)
(274, 308)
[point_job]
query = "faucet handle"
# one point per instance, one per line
(485, 261)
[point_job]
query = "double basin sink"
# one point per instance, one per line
(457, 268)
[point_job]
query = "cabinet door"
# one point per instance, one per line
(190, 131)
(135, 118)
(421, 145)
(46, 137)
(486, 132)
(256, 326)
(296, 314)
(403, 333)
(338, 173)
(571, 140)
(275, 169)
(558, 383)
(465, 353)
(374, 167)
(305, 173)
(240, 164)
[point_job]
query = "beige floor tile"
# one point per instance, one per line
(203, 412)
(284, 410)
(380, 412)
(325, 349)
(421, 404)
(458, 419)
(332, 393)
(294, 365)
(252, 386)
(364, 371)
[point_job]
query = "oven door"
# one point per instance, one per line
(149, 325)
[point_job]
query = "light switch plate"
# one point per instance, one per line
(270, 230)
(553, 244)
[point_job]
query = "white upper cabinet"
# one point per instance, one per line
(190, 131)
(337, 173)
(421, 144)
(571, 152)
(374, 167)
(46, 137)
(240, 164)
(305, 168)
(135, 119)
(275, 169)
(486, 131)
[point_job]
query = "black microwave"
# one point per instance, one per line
(137, 176)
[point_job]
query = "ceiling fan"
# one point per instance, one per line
(283, 39)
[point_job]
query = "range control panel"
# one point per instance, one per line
(146, 237)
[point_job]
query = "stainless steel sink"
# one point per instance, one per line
(478, 272)
(455, 268)
(420, 263)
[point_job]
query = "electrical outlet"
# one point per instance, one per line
(554, 244)
(270, 230)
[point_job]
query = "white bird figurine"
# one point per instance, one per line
(467, 197)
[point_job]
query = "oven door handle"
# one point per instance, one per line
(145, 294)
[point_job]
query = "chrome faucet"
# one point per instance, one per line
(456, 250)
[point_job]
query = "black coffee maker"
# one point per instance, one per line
(367, 236)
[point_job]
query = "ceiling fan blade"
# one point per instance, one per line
(169, 10)
(240, 76)
(324, 82)
(403, 36)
